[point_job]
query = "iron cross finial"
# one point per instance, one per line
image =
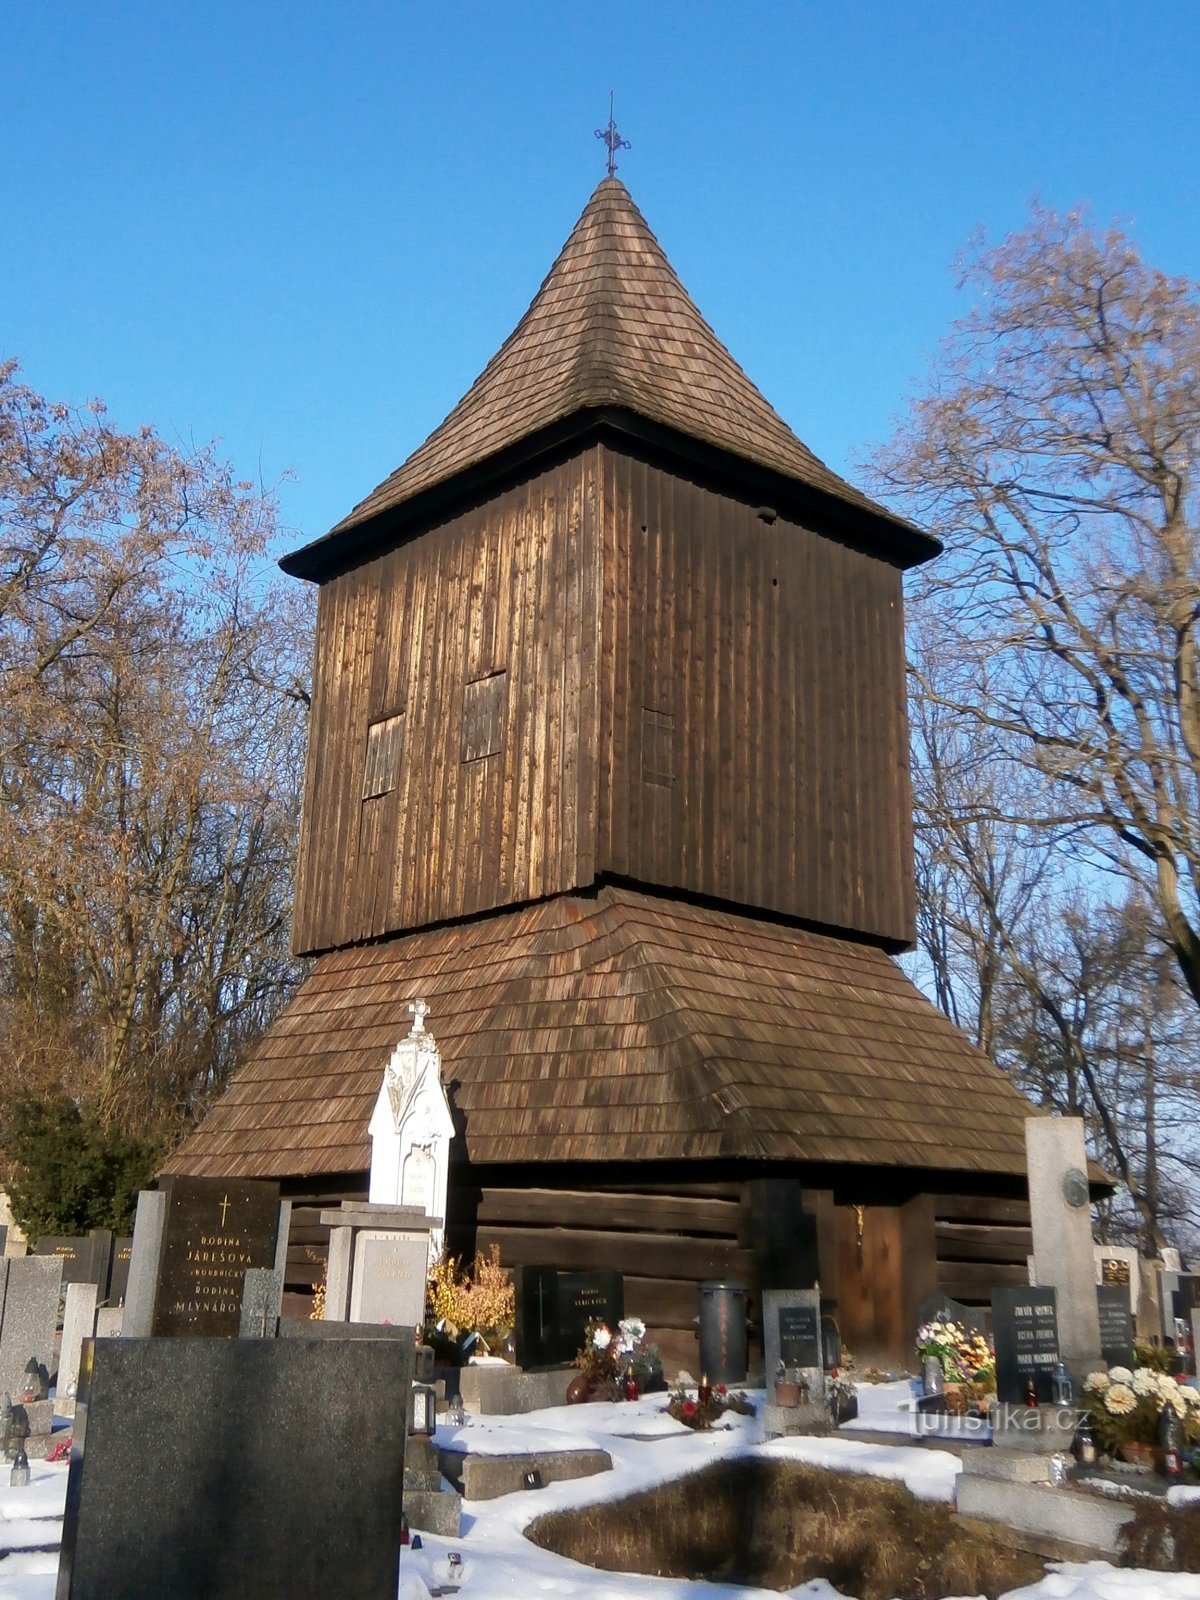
(612, 138)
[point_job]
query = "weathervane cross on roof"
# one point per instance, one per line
(612, 138)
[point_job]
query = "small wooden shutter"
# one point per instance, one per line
(658, 747)
(385, 744)
(483, 717)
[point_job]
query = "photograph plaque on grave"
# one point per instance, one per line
(1116, 1325)
(215, 1228)
(1025, 1333)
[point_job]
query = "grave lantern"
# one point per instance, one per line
(19, 1476)
(422, 1412)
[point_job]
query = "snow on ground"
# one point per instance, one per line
(647, 1448)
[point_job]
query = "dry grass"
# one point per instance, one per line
(1163, 1538)
(779, 1524)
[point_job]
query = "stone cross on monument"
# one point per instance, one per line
(411, 1128)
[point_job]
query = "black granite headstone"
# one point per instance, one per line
(215, 1229)
(799, 1336)
(1025, 1332)
(585, 1297)
(536, 1328)
(118, 1277)
(86, 1258)
(1116, 1325)
(281, 1477)
(1185, 1297)
(942, 1308)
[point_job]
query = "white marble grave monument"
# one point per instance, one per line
(411, 1128)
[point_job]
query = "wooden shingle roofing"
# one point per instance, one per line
(610, 327)
(622, 1026)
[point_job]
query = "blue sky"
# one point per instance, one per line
(304, 228)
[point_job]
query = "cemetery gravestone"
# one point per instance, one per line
(792, 1333)
(118, 1278)
(1025, 1331)
(79, 1323)
(942, 1308)
(262, 1301)
(1116, 1325)
(85, 1259)
(1063, 1252)
(29, 1319)
(536, 1328)
(411, 1129)
(283, 1479)
(214, 1229)
(585, 1297)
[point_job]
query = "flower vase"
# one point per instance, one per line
(933, 1379)
(1138, 1455)
(787, 1394)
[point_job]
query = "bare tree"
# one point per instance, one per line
(1055, 450)
(152, 717)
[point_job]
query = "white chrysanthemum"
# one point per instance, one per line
(633, 1328)
(1096, 1382)
(1176, 1402)
(1120, 1399)
(1191, 1397)
(602, 1338)
(1145, 1381)
(1120, 1375)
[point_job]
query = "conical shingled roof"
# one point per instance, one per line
(611, 326)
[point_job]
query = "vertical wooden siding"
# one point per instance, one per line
(692, 698)
(776, 658)
(506, 587)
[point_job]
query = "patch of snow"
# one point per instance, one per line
(648, 1448)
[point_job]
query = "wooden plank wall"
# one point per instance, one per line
(665, 1238)
(772, 659)
(982, 1244)
(508, 587)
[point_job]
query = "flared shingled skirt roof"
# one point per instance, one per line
(621, 1026)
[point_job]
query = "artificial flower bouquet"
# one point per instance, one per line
(607, 1356)
(703, 1414)
(966, 1357)
(1126, 1407)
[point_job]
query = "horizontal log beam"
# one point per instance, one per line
(973, 1284)
(957, 1241)
(980, 1208)
(650, 1255)
(566, 1208)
